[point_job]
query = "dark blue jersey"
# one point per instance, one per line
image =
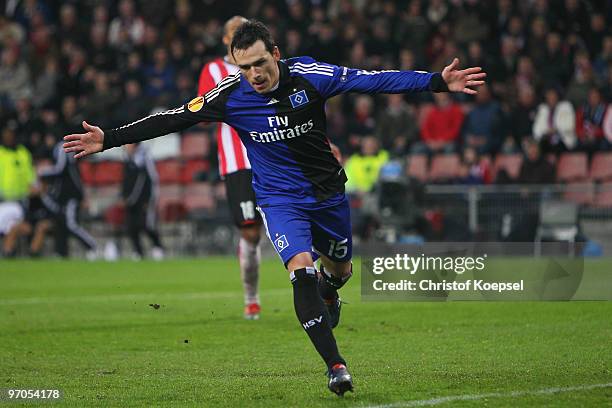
(284, 131)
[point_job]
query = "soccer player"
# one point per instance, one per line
(277, 108)
(235, 169)
(140, 191)
(63, 199)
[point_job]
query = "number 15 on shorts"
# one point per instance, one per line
(338, 249)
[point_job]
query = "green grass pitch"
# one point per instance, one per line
(89, 330)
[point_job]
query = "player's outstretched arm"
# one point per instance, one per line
(155, 125)
(332, 80)
(463, 80)
(84, 144)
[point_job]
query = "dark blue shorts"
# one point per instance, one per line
(323, 228)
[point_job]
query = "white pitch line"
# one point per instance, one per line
(133, 296)
(454, 398)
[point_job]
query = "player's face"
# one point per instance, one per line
(259, 66)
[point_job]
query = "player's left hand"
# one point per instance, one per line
(463, 80)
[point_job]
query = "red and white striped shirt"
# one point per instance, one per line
(231, 151)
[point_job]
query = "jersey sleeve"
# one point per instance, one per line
(200, 109)
(331, 80)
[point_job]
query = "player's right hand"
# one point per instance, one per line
(84, 144)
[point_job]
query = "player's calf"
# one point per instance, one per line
(328, 289)
(310, 311)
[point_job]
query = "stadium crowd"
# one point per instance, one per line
(549, 65)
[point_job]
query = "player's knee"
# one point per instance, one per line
(299, 261)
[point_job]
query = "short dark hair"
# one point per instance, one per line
(249, 33)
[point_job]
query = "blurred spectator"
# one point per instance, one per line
(11, 33)
(184, 91)
(536, 40)
(159, 76)
(526, 75)
(555, 123)
(590, 121)
(468, 22)
(134, 68)
(573, 17)
(75, 64)
(554, 69)
(16, 171)
(178, 54)
(45, 86)
(441, 127)
(52, 131)
(523, 115)
(362, 168)
(101, 101)
(323, 45)
(414, 29)
(295, 44)
(437, 11)
(515, 32)
(604, 59)
(535, 168)
(473, 169)
(127, 26)
(503, 69)
(180, 25)
(363, 122)
(15, 80)
(101, 56)
(29, 126)
(41, 38)
(71, 118)
(396, 126)
(100, 15)
(71, 26)
(594, 37)
(582, 80)
(483, 125)
(133, 104)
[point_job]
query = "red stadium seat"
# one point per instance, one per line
(572, 167)
(417, 167)
(580, 193)
(199, 196)
(115, 215)
(169, 171)
(444, 167)
(192, 168)
(604, 196)
(169, 193)
(170, 203)
(108, 172)
(601, 167)
(195, 145)
(511, 163)
(88, 172)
